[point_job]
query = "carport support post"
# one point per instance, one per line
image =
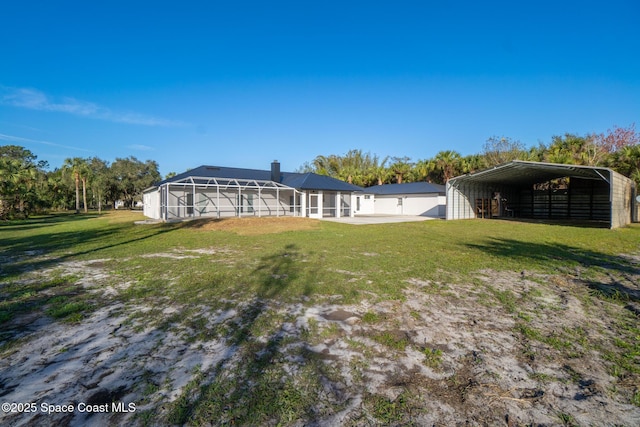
(569, 187)
(165, 210)
(166, 205)
(193, 201)
(591, 191)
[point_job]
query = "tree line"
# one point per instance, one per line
(618, 149)
(27, 187)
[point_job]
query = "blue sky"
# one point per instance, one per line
(241, 83)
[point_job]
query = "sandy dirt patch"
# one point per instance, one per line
(508, 349)
(252, 226)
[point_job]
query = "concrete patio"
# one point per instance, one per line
(378, 219)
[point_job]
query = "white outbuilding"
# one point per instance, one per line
(414, 198)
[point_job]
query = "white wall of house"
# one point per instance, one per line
(442, 206)
(151, 204)
(363, 204)
(430, 205)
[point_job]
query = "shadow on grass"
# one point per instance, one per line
(564, 257)
(63, 343)
(54, 247)
(255, 388)
(46, 220)
(58, 296)
(561, 221)
(249, 386)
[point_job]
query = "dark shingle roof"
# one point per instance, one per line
(312, 181)
(407, 188)
(221, 172)
(301, 181)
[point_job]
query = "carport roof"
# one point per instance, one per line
(519, 172)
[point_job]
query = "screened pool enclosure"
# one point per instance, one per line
(193, 197)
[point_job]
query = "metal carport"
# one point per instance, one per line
(546, 191)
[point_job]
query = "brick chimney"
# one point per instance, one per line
(275, 171)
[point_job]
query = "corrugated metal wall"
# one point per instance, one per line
(459, 200)
(462, 198)
(582, 200)
(622, 204)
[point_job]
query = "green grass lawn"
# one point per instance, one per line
(333, 259)
(184, 265)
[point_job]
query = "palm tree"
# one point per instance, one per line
(575, 150)
(537, 154)
(77, 167)
(85, 171)
(627, 161)
(401, 167)
(378, 171)
(473, 163)
(58, 189)
(424, 168)
(354, 167)
(449, 164)
(17, 181)
(324, 165)
(99, 171)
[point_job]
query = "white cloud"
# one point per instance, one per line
(21, 140)
(34, 99)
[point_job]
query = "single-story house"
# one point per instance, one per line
(546, 191)
(213, 191)
(414, 198)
